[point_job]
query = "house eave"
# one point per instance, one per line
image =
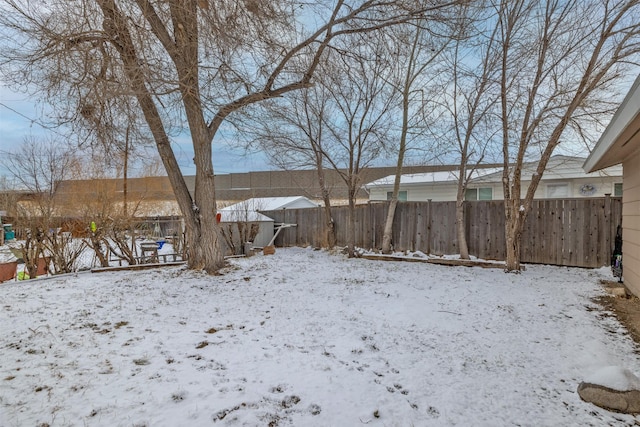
(622, 135)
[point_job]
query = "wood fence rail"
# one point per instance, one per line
(568, 232)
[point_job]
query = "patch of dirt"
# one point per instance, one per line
(626, 308)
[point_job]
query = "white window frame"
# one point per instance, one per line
(616, 186)
(477, 193)
(552, 193)
(401, 193)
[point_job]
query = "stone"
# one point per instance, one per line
(612, 388)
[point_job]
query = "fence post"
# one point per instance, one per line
(611, 226)
(428, 226)
(372, 227)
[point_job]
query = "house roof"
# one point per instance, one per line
(429, 177)
(558, 167)
(621, 138)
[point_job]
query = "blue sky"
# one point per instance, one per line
(20, 117)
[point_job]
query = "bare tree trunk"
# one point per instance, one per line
(460, 228)
(351, 225)
(513, 234)
(202, 237)
(388, 226)
(330, 235)
(125, 172)
(330, 225)
(202, 230)
(391, 210)
(410, 75)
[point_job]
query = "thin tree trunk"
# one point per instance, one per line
(125, 173)
(513, 234)
(351, 226)
(460, 228)
(388, 226)
(391, 212)
(330, 228)
(330, 225)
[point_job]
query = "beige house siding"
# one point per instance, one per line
(631, 223)
(444, 192)
(417, 193)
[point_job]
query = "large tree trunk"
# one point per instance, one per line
(203, 234)
(202, 237)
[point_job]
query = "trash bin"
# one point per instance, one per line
(9, 234)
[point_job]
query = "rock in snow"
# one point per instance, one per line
(613, 388)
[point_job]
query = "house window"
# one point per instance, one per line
(402, 196)
(617, 189)
(479, 194)
(557, 191)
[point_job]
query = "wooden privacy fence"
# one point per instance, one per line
(569, 232)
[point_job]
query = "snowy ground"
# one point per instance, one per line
(307, 338)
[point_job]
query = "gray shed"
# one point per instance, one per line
(240, 226)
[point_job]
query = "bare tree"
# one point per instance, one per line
(360, 127)
(37, 167)
(341, 123)
(468, 104)
(560, 62)
(185, 61)
(292, 131)
(64, 250)
(415, 49)
(9, 196)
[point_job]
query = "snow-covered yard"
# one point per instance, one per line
(307, 338)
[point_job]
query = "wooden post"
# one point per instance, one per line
(429, 219)
(610, 226)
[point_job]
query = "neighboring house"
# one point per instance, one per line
(563, 178)
(620, 144)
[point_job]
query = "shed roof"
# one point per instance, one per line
(271, 204)
(242, 216)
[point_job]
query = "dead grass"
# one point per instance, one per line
(625, 308)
